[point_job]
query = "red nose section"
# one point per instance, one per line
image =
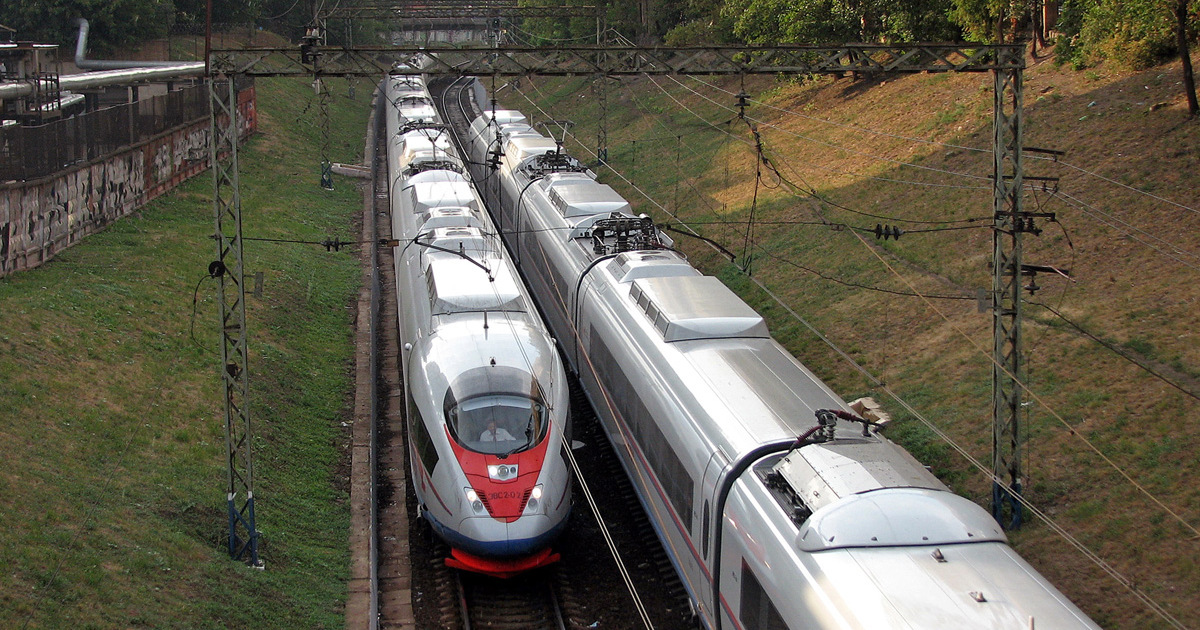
(500, 567)
(505, 500)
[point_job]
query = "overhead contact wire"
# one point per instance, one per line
(637, 600)
(625, 576)
(1045, 405)
(833, 145)
(1115, 350)
(688, 225)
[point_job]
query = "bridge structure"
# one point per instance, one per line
(313, 59)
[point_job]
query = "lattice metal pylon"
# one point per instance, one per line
(1008, 224)
(600, 90)
(323, 115)
(231, 294)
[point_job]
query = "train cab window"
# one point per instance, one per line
(496, 410)
(498, 424)
(757, 612)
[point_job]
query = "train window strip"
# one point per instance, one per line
(557, 287)
(423, 442)
(756, 610)
(668, 468)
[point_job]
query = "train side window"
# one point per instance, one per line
(757, 612)
(667, 466)
(424, 444)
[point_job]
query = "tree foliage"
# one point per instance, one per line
(113, 23)
(823, 21)
(1134, 33)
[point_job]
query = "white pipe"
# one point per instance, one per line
(86, 80)
(99, 64)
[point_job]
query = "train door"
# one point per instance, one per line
(709, 520)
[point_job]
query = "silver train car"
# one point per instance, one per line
(486, 390)
(779, 506)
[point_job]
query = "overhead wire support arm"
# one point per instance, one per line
(434, 11)
(618, 60)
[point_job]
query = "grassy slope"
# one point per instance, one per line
(113, 439)
(1136, 297)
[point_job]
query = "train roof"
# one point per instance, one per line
(503, 116)
(434, 194)
(522, 147)
(685, 308)
(457, 285)
(898, 517)
(578, 195)
(754, 391)
(452, 216)
(629, 266)
(418, 145)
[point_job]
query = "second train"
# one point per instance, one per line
(780, 505)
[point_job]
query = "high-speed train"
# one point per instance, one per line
(779, 505)
(486, 390)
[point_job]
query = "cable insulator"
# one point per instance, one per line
(887, 231)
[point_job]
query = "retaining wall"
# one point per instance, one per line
(39, 218)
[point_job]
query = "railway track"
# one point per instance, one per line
(393, 558)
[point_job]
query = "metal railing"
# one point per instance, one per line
(32, 152)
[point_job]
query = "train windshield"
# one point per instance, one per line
(496, 410)
(498, 425)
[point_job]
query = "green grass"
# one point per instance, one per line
(114, 441)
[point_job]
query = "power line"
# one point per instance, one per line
(1115, 350)
(947, 145)
(1041, 401)
(1019, 383)
(808, 189)
(817, 166)
(1079, 546)
(1092, 211)
(844, 125)
(823, 223)
(833, 145)
(792, 263)
(1126, 186)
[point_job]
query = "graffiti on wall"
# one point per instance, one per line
(39, 219)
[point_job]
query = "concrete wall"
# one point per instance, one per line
(42, 217)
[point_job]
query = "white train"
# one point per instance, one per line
(773, 514)
(486, 389)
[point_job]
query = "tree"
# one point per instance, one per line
(825, 21)
(113, 23)
(1185, 55)
(993, 20)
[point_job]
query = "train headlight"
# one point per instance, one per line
(534, 504)
(502, 472)
(473, 499)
